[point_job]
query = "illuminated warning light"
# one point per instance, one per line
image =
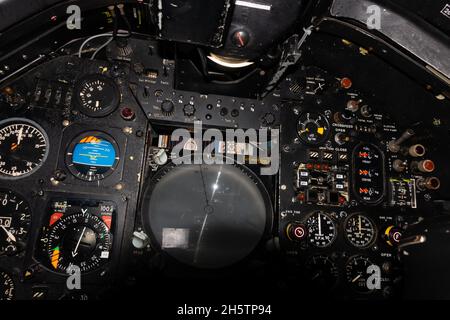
(107, 220)
(363, 155)
(301, 197)
(363, 190)
(342, 200)
(321, 131)
(55, 217)
(325, 167)
(309, 166)
(363, 172)
(346, 83)
(55, 257)
(317, 166)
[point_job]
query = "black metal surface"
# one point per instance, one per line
(403, 28)
(192, 21)
(402, 92)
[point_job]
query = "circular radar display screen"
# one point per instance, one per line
(92, 156)
(206, 216)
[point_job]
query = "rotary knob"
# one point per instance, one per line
(393, 235)
(167, 107)
(189, 110)
(296, 232)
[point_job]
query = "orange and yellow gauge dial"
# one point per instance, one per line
(313, 128)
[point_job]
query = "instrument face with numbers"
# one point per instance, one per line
(7, 286)
(15, 220)
(23, 148)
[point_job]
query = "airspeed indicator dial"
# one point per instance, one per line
(80, 239)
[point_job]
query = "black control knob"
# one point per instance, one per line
(296, 232)
(167, 107)
(189, 110)
(223, 112)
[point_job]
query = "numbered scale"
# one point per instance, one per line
(15, 220)
(78, 234)
(23, 148)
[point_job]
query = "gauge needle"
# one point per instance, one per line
(75, 252)
(320, 225)
(359, 224)
(356, 278)
(9, 234)
(20, 136)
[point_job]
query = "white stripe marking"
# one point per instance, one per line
(253, 5)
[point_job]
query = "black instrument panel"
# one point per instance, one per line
(89, 144)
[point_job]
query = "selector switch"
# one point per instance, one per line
(223, 112)
(296, 232)
(235, 113)
(189, 110)
(167, 107)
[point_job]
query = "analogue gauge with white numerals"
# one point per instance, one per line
(23, 147)
(321, 229)
(360, 231)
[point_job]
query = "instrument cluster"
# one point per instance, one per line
(351, 177)
(85, 149)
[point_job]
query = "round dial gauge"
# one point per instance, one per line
(356, 271)
(6, 286)
(97, 95)
(92, 156)
(15, 220)
(322, 272)
(23, 148)
(207, 217)
(79, 239)
(313, 128)
(360, 231)
(321, 229)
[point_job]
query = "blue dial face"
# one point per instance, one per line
(92, 156)
(94, 151)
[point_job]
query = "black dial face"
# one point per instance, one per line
(360, 231)
(92, 156)
(79, 239)
(357, 275)
(322, 273)
(313, 128)
(15, 220)
(97, 95)
(321, 229)
(6, 286)
(23, 148)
